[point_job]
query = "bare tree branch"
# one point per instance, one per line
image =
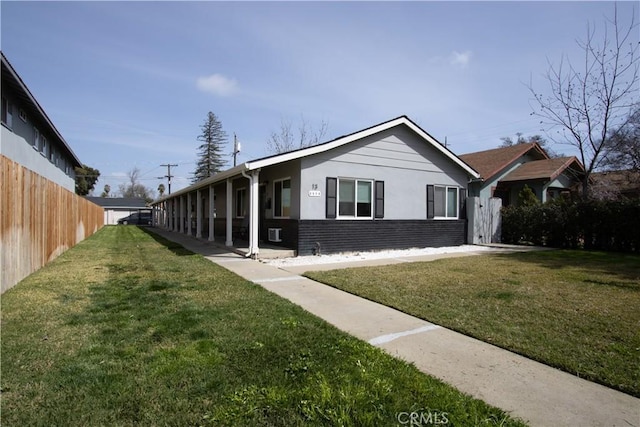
(285, 139)
(584, 104)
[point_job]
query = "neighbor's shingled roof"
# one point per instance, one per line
(490, 162)
(544, 169)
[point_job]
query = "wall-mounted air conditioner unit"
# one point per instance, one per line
(274, 234)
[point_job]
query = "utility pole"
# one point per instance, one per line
(168, 175)
(236, 149)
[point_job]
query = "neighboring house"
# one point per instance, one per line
(505, 171)
(116, 208)
(388, 186)
(28, 135)
(612, 185)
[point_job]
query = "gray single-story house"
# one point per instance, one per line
(116, 208)
(385, 187)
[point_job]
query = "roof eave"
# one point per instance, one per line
(320, 148)
(316, 149)
(14, 75)
(525, 150)
(221, 176)
(570, 161)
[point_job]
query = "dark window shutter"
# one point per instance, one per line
(379, 200)
(332, 184)
(430, 207)
(462, 194)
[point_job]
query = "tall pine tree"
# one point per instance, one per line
(213, 138)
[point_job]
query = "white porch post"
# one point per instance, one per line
(229, 241)
(172, 215)
(176, 215)
(189, 213)
(167, 210)
(198, 213)
(254, 210)
(181, 215)
(212, 212)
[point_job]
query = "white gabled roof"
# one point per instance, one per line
(402, 120)
(321, 148)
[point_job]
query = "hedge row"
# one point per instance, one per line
(560, 223)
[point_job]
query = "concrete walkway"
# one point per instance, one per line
(537, 393)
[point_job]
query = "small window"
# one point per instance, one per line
(355, 198)
(23, 115)
(282, 198)
(52, 154)
(241, 194)
(36, 139)
(45, 147)
(7, 113)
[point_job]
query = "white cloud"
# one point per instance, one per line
(460, 59)
(217, 84)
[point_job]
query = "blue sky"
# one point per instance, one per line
(128, 84)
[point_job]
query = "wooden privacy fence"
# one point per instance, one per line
(40, 220)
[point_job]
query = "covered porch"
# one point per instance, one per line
(226, 209)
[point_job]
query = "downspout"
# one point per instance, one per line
(253, 213)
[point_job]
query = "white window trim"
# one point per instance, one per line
(446, 196)
(354, 217)
(235, 206)
(274, 198)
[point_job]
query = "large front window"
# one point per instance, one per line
(445, 202)
(282, 198)
(354, 198)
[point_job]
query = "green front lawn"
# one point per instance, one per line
(126, 329)
(578, 311)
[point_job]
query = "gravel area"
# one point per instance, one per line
(360, 256)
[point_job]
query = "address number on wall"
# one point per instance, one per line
(315, 193)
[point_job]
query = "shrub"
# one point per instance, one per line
(561, 223)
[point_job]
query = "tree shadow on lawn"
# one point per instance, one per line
(174, 247)
(205, 248)
(623, 270)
